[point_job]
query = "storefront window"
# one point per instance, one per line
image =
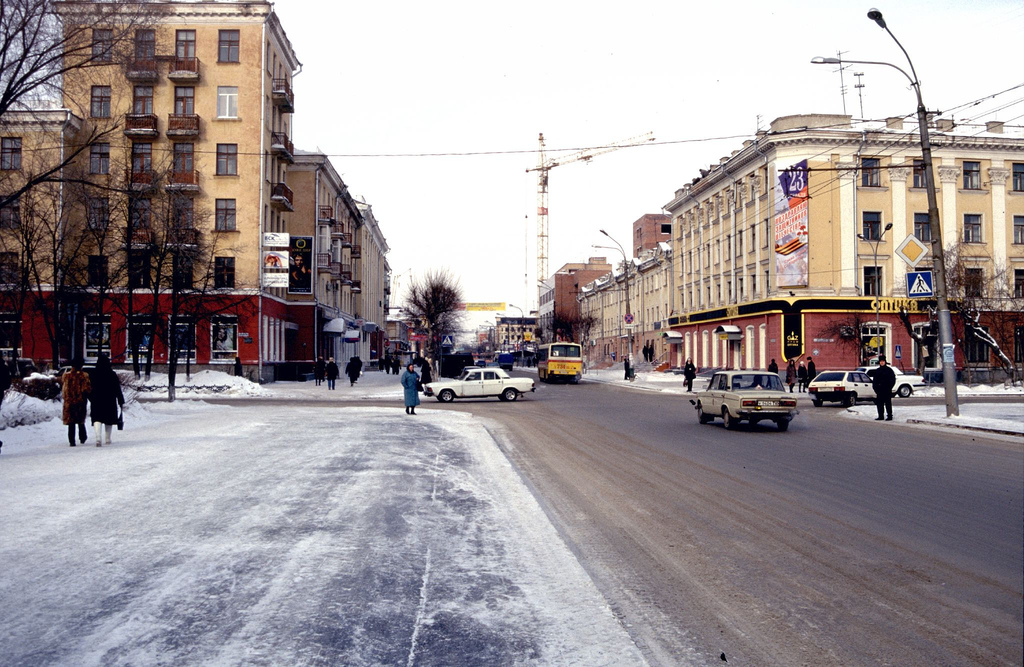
(184, 340)
(140, 335)
(872, 341)
(225, 339)
(97, 337)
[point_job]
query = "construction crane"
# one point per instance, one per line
(544, 165)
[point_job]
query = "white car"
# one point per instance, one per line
(844, 387)
(480, 383)
(905, 383)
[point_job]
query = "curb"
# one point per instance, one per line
(966, 427)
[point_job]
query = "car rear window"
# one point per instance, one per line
(829, 377)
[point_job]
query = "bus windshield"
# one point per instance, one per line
(565, 351)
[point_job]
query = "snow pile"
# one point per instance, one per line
(21, 410)
(203, 383)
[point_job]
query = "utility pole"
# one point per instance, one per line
(860, 96)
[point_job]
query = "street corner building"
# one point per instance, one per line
(189, 227)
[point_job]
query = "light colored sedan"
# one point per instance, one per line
(844, 387)
(480, 383)
(906, 383)
(753, 396)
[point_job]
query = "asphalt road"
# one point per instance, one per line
(842, 541)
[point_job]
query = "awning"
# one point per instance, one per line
(728, 332)
(674, 335)
(337, 326)
(369, 326)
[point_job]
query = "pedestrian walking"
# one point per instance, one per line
(791, 375)
(812, 372)
(626, 367)
(319, 369)
(773, 367)
(106, 399)
(801, 375)
(386, 363)
(238, 367)
(883, 379)
(331, 371)
(395, 364)
(352, 369)
(689, 373)
(5, 384)
(410, 381)
(426, 376)
(74, 390)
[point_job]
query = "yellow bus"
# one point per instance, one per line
(560, 361)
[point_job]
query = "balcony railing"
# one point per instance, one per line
(357, 251)
(326, 214)
(141, 69)
(281, 92)
(336, 269)
(183, 181)
(140, 125)
(282, 146)
(323, 261)
(141, 236)
(346, 239)
(182, 125)
(281, 197)
(142, 179)
(183, 236)
(184, 69)
(345, 271)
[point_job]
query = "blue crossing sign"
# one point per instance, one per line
(919, 284)
(447, 342)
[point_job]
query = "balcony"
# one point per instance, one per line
(281, 197)
(281, 93)
(182, 181)
(323, 261)
(140, 125)
(141, 236)
(336, 269)
(184, 70)
(325, 214)
(345, 272)
(182, 125)
(183, 236)
(357, 251)
(142, 179)
(282, 146)
(142, 70)
(357, 286)
(346, 238)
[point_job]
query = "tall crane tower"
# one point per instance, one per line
(544, 165)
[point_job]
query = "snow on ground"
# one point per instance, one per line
(247, 535)
(203, 383)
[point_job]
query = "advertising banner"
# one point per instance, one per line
(791, 226)
(279, 279)
(275, 259)
(276, 239)
(300, 262)
(792, 335)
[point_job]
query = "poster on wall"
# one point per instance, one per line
(300, 259)
(792, 335)
(275, 259)
(791, 226)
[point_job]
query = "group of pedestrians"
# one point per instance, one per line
(390, 363)
(799, 375)
(329, 371)
(100, 391)
(648, 351)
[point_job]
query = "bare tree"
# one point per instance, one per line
(433, 302)
(571, 325)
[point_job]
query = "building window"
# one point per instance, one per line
(1018, 176)
(1018, 283)
(872, 280)
(145, 45)
(97, 336)
(228, 46)
(9, 268)
(99, 105)
(975, 349)
(1018, 229)
(139, 270)
(972, 228)
(227, 159)
(920, 175)
(227, 101)
(99, 159)
(184, 100)
(183, 339)
(141, 214)
(185, 44)
(142, 100)
(972, 175)
(225, 215)
(764, 234)
(666, 228)
(872, 339)
(142, 158)
(224, 272)
(10, 215)
(184, 158)
(872, 226)
(10, 153)
(98, 270)
(98, 215)
(140, 337)
(871, 173)
(102, 44)
(182, 213)
(182, 274)
(974, 283)
(922, 227)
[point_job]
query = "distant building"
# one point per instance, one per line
(558, 296)
(649, 230)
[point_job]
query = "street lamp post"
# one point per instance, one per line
(878, 285)
(521, 318)
(938, 256)
(625, 260)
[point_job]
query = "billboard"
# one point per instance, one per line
(791, 226)
(300, 263)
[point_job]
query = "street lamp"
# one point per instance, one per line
(878, 285)
(625, 260)
(938, 256)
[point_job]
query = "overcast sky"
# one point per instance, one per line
(403, 78)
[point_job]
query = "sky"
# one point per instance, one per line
(384, 83)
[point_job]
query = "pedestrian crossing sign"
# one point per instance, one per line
(447, 342)
(919, 284)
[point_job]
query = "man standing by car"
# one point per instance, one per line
(882, 381)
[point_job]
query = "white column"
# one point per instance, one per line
(898, 189)
(847, 228)
(997, 181)
(949, 177)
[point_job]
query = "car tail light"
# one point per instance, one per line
(788, 403)
(839, 388)
(813, 390)
(749, 403)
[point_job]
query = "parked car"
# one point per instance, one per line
(906, 383)
(844, 387)
(480, 383)
(753, 396)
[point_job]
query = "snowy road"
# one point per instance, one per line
(256, 536)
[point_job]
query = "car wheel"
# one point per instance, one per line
(783, 424)
(904, 391)
(728, 420)
(703, 417)
(446, 396)
(817, 402)
(509, 394)
(850, 400)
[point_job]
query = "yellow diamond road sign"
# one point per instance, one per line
(912, 251)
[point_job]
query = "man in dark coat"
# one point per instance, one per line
(689, 372)
(106, 398)
(425, 375)
(385, 363)
(773, 367)
(812, 372)
(396, 363)
(353, 369)
(332, 373)
(883, 379)
(319, 368)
